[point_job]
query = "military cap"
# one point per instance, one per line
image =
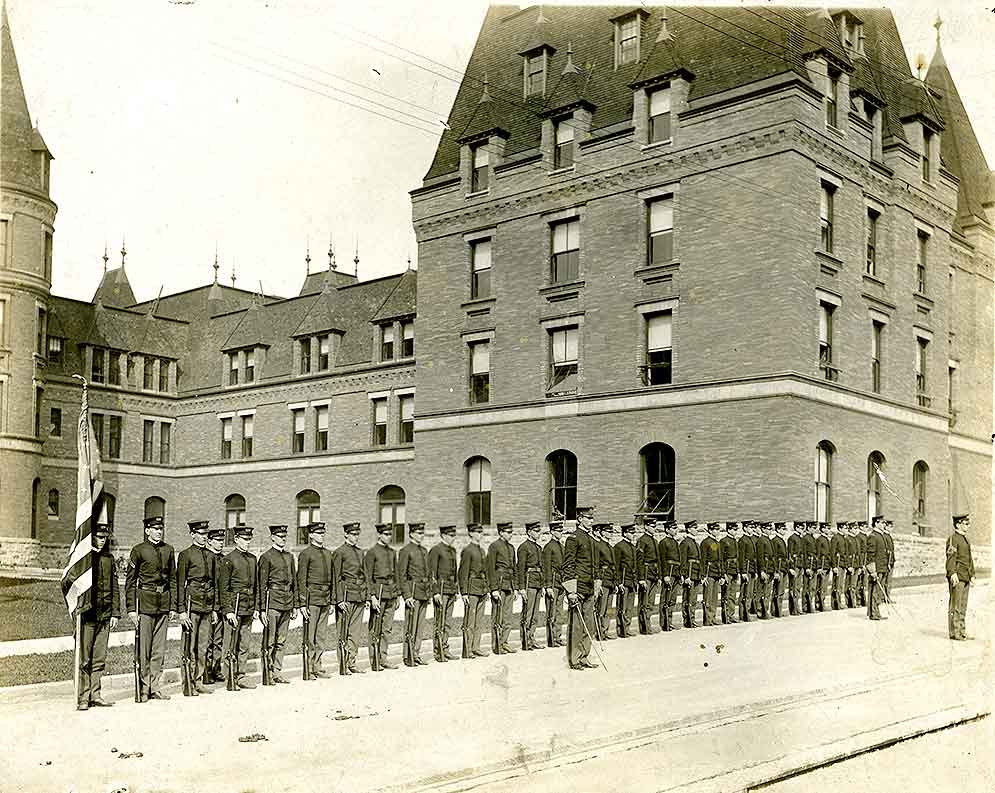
(447, 530)
(668, 525)
(278, 530)
(649, 520)
(628, 528)
(533, 525)
(243, 531)
(416, 528)
(505, 526)
(474, 528)
(842, 524)
(961, 516)
(862, 525)
(154, 522)
(351, 528)
(198, 526)
(316, 528)
(602, 527)
(712, 526)
(588, 511)
(732, 524)
(102, 528)
(780, 526)
(214, 534)
(876, 518)
(556, 525)
(382, 528)
(691, 524)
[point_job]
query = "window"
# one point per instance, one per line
(659, 115)
(480, 269)
(379, 422)
(535, 75)
(164, 375)
(406, 425)
(563, 148)
(832, 98)
(148, 372)
(480, 372)
(250, 366)
(826, 216)
(922, 241)
(390, 507)
(922, 358)
(562, 474)
(480, 167)
(248, 427)
(305, 359)
(951, 375)
(308, 511)
(407, 339)
(3, 243)
(657, 466)
(165, 441)
(55, 422)
(324, 347)
(563, 360)
(874, 119)
(226, 429)
(386, 342)
(565, 261)
(321, 428)
(919, 473)
(877, 334)
(657, 369)
(297, 430)
(97, 367)
(927, 142)
(871, 265)
(41, 346)
(55, 349)
(627, 40)
(35, 488)
(97, 423)
(875, 469)
(823, 481)
(155, 507)
(478, 490)
(53, 503)
(114, 368)
(233, 368)
(826, 341)
(148, 437)
(114, 438)
(660, 243)
(234, 516)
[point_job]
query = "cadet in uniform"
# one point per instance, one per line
(862, 537)
(796, 567)
(765, 568)
(669, 554)
(552, 580)
(195, 589)
(747, 571)
(626, 578)
(238, 579)
(837, 553)
(648, 572)
(314, 593)
(149, 594)
(349, 580)
(582, 585)
(528, 572)
(877, 560)
(852, 553)
(277, 598)
(380, 569)
(606, 571)
(475, 590)
(729, 558)
(97, 619)
(416, 589)
(823, 561)
(710, 555)
(690, 568)
(960, 573)
(215, 647)
(811, 566)
(501, 579)
(889, 544)
(445, 589)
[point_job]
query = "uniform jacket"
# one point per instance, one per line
(151, 568)
(729, 554)
(747, 555)
(625, 564)
(278, 577)
(669, 554)
(528, 567)
(238, 576)
(412, 572)
(852, 549)
(473, 571)
(823, 552)
(314, 577)
(348, 576)
(837, 550)
(808, 551)
(580, 563)
(690, 559)
(862, 548)
(218, 557)
(196, 579)
(877, 552)
(106, 601)
(606, 563)
(710, 554)
(442, 569)
(647, 558)
(779, 554)
(795, 551)
(959, 557)
(765, 552)
(501, 565)
(552, 563)
(380, 569)
(890, 547)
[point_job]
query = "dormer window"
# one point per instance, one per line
(927, 143)
(535, 74)
(832, 98)
(563, 152)
(627, 32)
(659, 100)
(851, 33)
(481, 163)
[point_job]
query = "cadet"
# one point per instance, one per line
(416, 589)
(648, 573)
(710, 555)
(445, 588)
(582, 585)
(149, 594)
(779, 555)
(823, 561)
(765, 566)
(195, 589)
(877, 563)
(528, 571)
(852, 551)
(837, 553)
(380, 570)
(796, 567)
(606, 572)
(501, 579)
(889, 544)
(97, 621)
(862, 577)
(747, 571)
(277, 599)
(729, 557)
(690, 568)
(239, 604)
(349, 580)
(960, 573)
(215, 647)
(809, 555)
(626, 578)
(314, 596)
(552, 580)
(668, 551)
(474, 588)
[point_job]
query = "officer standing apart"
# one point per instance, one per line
(314, 593)
(528, 575)
(215, 646)
(149, 593)
(474, 587)
(238, 583)
(349, 581)
(195, 590)
(501, 579)
(877, 563)
(380, 569)
(648, 573)
(582, 585)
(960, 573)
(552, 580)
(416, 589)
(97, 621)
(277, 598)
(442, 570)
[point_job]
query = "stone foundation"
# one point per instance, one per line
(21, 552)
(918, 556)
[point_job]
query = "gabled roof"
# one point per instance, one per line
(569, 89)
(202, 302)
(115, 289)
(316, 282)
(19, 140)
(401, 301)
(254, 330)
(321, 316)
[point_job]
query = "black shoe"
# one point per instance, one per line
(100, 703)
(321, 673)
(354, 671)
(202, 689)
(82, 706)
(440, 659)
(451, 656)
(588, 665)
(420, 662)
(578, 667)
(143, 698)
(158, 695)
(480, 653)
(505, 650)
(245, 684)
(278, 679)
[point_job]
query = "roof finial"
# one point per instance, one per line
(355, 260)
(331, 252)
(233, 272)
(485, 95)
(124, 252)
(664, 34)
(307, 257)
(541, 20)
(938, 24)
(571, 67)
(105, 258)
(215, 262)
(409, 261)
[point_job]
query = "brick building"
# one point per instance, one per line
(696, 263)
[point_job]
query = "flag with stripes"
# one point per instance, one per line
(77, 577)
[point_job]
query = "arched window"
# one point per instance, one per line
(478, 490)
(920, 471)
(824, 481)
(875, 502)
(53, 503)
(308, 511)
(35, 487)
(234, 516)
(657, 470)
(390, 507)
(562, 474)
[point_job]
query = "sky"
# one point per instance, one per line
(186, 127)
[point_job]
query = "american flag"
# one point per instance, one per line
(77, 577)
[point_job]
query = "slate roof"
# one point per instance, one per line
(401, 300)
(19, 140)
(315, 282)
(115, 289)
(202, 301)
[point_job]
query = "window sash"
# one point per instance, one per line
(163, 375)
(832, 101)
(321, 417)
(305, 356)
(165, 442)
(480, 357)
(535, 74)
(114, 438)
(564, 346)
(825, 324)
(658, 331)
(380, 411)
(480, 388)
(97, 367)
(298, 421)
(481, 156)
(479, 476)
(872, 239)
(148, 429)
(147, 373)
(324, 346)
(226, 430)
(233, 368)
(407, 408)
(627, 38)
(566, 236)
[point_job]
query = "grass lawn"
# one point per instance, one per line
(32, 609)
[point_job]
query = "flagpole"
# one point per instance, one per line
(76, 654)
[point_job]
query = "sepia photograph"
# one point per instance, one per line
(607, 389)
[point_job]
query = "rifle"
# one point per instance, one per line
(186, 672)
(341, 614)
(305, 639)
(550, 605)
(231, 684)
(138, 647)
(376, 662)
(266, 649)
(620, 605)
